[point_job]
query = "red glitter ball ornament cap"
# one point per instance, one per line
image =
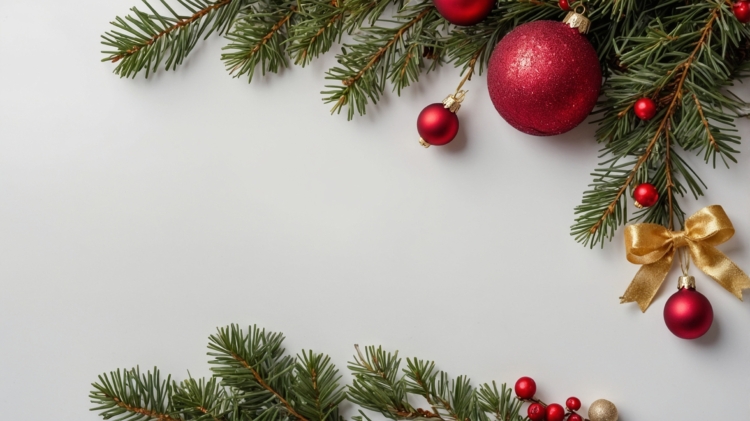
(544, 78)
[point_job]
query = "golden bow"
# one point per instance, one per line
(654, 246)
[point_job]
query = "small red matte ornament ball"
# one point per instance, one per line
(688, 313)
(544, 76)
(645, 195)
(573, 403)
(437, 125)
(741, 10)
(645, 109)
(575, 417)
(464, 12)
(536, 412)
(555, 412)
(525, 388)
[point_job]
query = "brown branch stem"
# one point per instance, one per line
(179, 24)
(684, 67)
(275, 28)
(379, 54)
(705, 124)
(472, 64)
(322, 29)
(265, 385)
(143, 411)
(670, 183)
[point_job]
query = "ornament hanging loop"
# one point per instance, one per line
(453, 101)
(577, 19)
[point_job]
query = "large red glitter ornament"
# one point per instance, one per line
(688, 314)
(544, 77)
(464, 12)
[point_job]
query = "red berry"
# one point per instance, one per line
(555, 412)
(575, 417)
(564, 5)
(645, 109)
(645, 195)
(741, 11)
(525, 388)
(573, 403)
(536, 412)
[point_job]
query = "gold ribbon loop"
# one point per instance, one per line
(654, 246)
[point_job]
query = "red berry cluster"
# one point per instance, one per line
(539, 411)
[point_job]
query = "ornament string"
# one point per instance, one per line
(654, 246)
(460, 94)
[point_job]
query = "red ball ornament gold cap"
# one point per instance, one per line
(453, 103)
(686, 281)
(578, 20)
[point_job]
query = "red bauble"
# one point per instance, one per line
(575, 417)
(555, 412)
(525, 388)
(536, 412)
(741, 11)
(688, 314)
(464, 12)
(644, 108)
(544, 78)
(564, 5)
(437, 125)
(645, 195)
(573, 403)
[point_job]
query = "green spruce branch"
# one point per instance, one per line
(365, 65)
(143, 40)
(321, 26)
(253, 379)
(259, 38)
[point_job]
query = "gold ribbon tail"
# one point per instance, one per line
(719, 267)
(647, 281)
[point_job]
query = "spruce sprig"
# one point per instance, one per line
(252, 380)
(320, 25)
(366, 65)
(129, 395)
(381, 386)
(143, 40)
(259, 39)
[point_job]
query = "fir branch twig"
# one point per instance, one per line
(166, 31)
(683, 70)
(265, 385)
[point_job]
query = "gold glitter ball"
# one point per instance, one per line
(602, 410)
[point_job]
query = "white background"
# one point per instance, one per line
(138, 215)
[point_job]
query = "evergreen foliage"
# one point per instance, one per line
(683, 54)
(253, 379)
